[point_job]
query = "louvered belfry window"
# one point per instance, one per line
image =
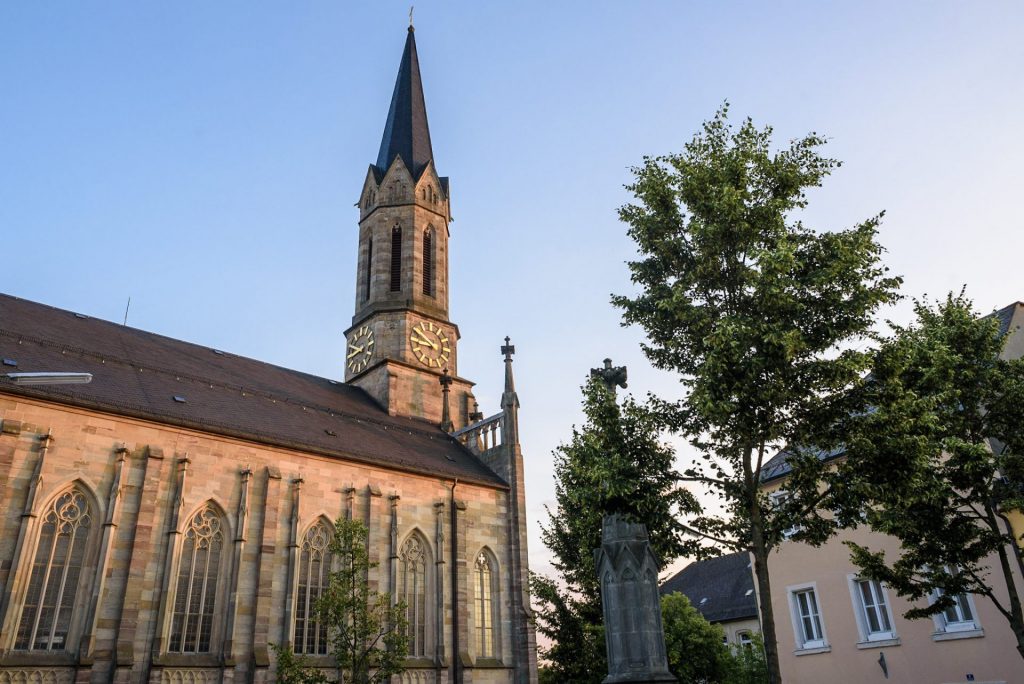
(369, 268)
(195, 601)
(53, 587)
(396, 259)
(428, 262)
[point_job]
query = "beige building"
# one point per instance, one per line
(167, 522)
(833, 626)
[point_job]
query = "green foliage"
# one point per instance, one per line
(938, 457)
(760, 316)
(748, 664)
(295, 669)
(574, 628)
(613, 464)
(368, 634)
(693, 645)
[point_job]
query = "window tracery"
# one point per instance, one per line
(310, 635)
(412, 589)
(195, 601)
(56, 572)
(483, 606)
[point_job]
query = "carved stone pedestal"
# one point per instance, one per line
(634, 637)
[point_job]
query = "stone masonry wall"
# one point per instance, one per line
(127, 642)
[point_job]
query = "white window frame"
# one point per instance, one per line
(779, 497)
(745, 638)
(883, 606)
(804, 646)
(959, 603)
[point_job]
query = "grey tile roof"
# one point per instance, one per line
(722, 588)
(138, 374)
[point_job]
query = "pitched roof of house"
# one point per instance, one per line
(406, 133)
(149, 376)
(722, 588)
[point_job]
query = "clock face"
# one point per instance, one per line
(360, 349)
(430, 345)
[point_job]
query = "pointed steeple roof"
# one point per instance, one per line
(406, 133)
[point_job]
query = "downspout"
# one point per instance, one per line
(456, 669)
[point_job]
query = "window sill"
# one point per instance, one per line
(878, 643)
(813, 651)
(41, 658)
(489, 663)
(962, 634)
(188, 660)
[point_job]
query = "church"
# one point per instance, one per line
(165, 506)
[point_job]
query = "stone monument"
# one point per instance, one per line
(628, 571)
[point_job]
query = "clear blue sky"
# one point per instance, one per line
(203, 158)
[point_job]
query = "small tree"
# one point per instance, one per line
(695, 647)
(368, 634)
(759, 316)
(937, 461)
(613, 464)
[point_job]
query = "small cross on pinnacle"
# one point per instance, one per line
(446, 382)
(411, 7)
(508, 349)
(611, 377)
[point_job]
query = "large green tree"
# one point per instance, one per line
(368, 634)
(614, 464)
(937, 461)
(759, 315)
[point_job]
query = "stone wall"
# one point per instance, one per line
(146, 479)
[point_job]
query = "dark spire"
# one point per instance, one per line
(406, 133)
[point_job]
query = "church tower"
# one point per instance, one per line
(401, 341)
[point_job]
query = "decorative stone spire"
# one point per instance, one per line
(406, 133)
(509, 397)
(446, 416)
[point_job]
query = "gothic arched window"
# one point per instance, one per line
(428, 262)
(396, 259)
(314, 575)
(54, 584)
(195, 600)
(412, 589)
(484, 606)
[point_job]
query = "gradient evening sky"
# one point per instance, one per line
(204, 158)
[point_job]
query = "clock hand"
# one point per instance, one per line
(423, 340)
(357, 350)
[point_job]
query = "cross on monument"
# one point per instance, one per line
(611, 377)
(508, 349)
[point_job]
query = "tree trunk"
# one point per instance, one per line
(1016, 617)
(764, 590)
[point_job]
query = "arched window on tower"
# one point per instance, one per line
(314, 575)
(396, 259)
(199, 569)
(412, 589)
(54, 585)
(368, 273)
(428, 262)
(484, 605)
